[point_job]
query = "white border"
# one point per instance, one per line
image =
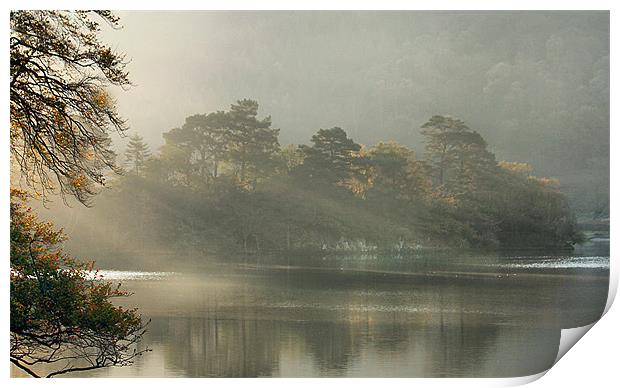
(317, 5)
(593, 362)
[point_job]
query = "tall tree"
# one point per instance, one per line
(440, 132)
(215, 139)
(332, 156)
(205, 141)
(253, 143)
(61, 114)
(456, 154)
(136, 154)
(474, 163)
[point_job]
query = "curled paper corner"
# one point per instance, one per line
(613, 286)
(569, 337)
(518, 381)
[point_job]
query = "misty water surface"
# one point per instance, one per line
(249, 319)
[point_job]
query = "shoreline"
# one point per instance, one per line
(432, 274)
(589, 274)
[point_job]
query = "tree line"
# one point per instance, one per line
(222, 182)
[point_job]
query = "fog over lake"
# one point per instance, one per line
(306, 193)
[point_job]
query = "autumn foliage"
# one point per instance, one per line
(62, 315)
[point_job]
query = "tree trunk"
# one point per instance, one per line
(243, 164)
(442, 163)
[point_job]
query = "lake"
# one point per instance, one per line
(363, 315)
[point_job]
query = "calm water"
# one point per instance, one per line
(361, 316)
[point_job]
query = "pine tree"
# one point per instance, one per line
(203, 142)
(441, 133)
(332, 157)
(457, 155)
(137, 154)
(254, 144)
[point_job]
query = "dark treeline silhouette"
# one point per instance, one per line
(222, 183)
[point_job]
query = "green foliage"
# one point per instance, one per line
(291, 157)
(61, 117)
(254, 143)
(61, 311)
(332, 194)
(332, 158)
(395, 173)
(234, 142)
(532, 211)
(458, 156)
(202, 144)
(136, 154)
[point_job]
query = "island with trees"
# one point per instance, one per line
(222, 183)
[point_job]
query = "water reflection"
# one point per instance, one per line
(203, 347)
(272, 321)
(324, 324)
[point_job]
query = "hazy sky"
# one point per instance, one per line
(534, 84)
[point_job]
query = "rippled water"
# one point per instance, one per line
(133, 275)
(601, 262)
(436, 316)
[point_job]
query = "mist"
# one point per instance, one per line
(534, 84)
(306, 194)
